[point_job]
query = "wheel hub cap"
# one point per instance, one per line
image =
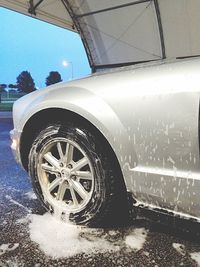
(65, 174)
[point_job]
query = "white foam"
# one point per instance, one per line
(12, 263)
(8, 247)
(136, 238)
(24, 220)
(31, 195)
(196, 257)
(60, 239)
(18, 204)
(112, 233)
(179, 248)
(4, 222)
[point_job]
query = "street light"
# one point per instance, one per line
(66, 63)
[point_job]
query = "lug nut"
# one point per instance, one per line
(73, 177)
(69, 166)
(61, 165)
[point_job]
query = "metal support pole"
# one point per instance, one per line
(112, 8)
(32, 8)
(162, 41)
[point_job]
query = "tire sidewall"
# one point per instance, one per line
(86, 142)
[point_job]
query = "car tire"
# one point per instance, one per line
(73, 171)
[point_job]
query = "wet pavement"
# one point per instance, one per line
(166, 244)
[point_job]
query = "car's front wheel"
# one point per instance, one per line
(73, 173)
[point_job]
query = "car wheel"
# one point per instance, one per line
(74, 173)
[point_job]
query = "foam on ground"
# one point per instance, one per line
(196, 257)
(8, 247)
(136, 239)
(60, 239)
(179, 248)
(31, 195)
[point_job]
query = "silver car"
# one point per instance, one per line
(90, 144)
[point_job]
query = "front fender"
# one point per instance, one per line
(94, 109)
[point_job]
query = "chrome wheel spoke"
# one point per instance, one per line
(75, 201)
(83, 175)
(51, 160)
(69, 152)
(80, 164)
(53, 184)
(61, 191)
(80, 189)
(60, 151)
(48, 168)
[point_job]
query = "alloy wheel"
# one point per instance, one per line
(65, 175)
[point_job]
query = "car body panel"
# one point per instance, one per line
(150, 116)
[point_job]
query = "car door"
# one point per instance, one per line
(162, 117)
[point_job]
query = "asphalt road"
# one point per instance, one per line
(159, 249)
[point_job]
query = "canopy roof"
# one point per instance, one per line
(123, 32)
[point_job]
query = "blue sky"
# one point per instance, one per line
(38, 47)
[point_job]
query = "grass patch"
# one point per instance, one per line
(8, 99)
(6, 106)
(12, 95)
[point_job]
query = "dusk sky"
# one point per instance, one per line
(38, 47)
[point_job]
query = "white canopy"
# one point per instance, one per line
(123, 32)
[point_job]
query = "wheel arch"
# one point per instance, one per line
(38, 121)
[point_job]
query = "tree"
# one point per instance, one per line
(12, 86)
(3, 86)
(25, 82)
(54, 77)
(2, 89)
